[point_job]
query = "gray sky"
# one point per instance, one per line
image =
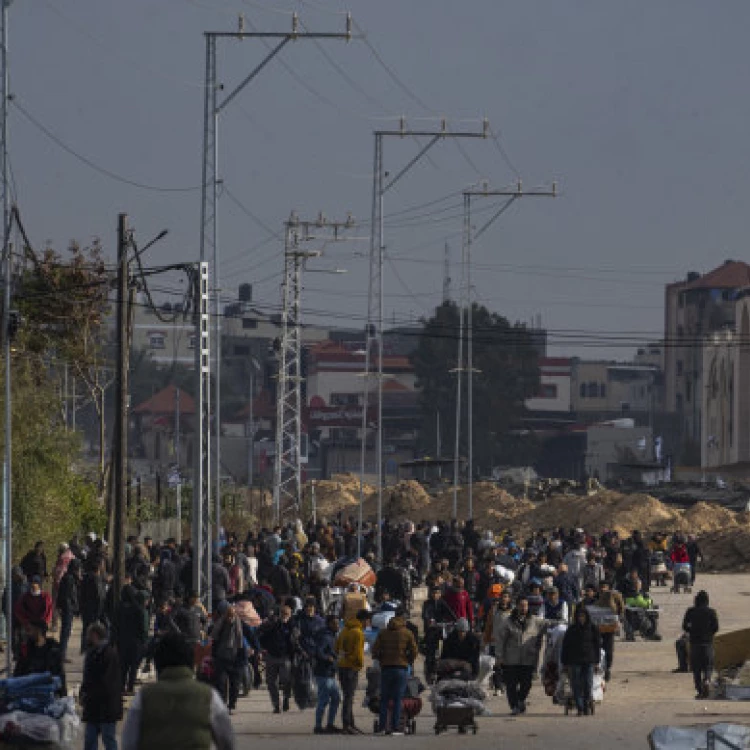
(637, 109)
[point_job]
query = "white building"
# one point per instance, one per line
(554, 386)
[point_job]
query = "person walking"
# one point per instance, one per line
(395, 649)
(350, 650)
(324, 669)
(581, 653)
(176, 710)
(101, 690)
(132, 632)
(67, 603)
(278, 638)
(612, 599)
(228, 653)
(701, 623)
(517, 642)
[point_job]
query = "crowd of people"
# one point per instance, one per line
(276, 618)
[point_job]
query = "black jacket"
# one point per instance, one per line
(190, 621)
(701, 624)
(219, 582)
(464, 650)
(278, 639)
(67, 594)
(581, 644)
(34, 564)
(101, 688)
(93, 592)
(39, 659)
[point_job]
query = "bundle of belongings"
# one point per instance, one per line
(30, 712)
(458, 694)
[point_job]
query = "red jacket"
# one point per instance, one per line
(460, 603)
(30, 608)
(679, 554)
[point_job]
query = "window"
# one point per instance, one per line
(191, 341)
(583, 390)
(679, 368)
(344, 399)
(679, 402)
(602, 390)
(688, 391)
(548, 390)
(249, 323)
(593, 390)
(156, 340)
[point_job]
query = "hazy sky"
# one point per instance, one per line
(638, 109)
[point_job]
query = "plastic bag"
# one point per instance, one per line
(304, 687)
(35, 727)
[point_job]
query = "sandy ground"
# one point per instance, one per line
(642, 694)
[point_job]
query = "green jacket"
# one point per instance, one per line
(176, 712)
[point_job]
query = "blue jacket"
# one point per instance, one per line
(309, 627)
(325, 654)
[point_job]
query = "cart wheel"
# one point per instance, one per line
(437, 730)
(413, 726)
(593, 708)
(375, 727)
(567, 709)
(474, 729)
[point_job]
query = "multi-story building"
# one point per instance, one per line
(608, 389)
(695, 309)
(554, 386)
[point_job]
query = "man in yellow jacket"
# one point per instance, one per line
(350, 650)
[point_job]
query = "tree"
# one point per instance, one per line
(64, 304)
(508, 374)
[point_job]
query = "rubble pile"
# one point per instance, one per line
(724, 534)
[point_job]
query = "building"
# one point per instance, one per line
(693, 310)
(335, 398)
(603, 390)
(620, 450)
(554, 386)
(720, 407)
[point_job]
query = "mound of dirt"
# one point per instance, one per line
(704, 517)
(727, 549)
(338, 493)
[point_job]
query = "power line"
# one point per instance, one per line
(93, 165)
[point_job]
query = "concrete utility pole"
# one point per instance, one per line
(7, 290)
(209, 240)
(119, 458)
(178, 487)
(287, 489)
(511, 195)
(374, 329)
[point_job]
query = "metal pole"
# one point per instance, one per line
(459, 369)
(217, 292)
(470, 355)
(296, 452)
(438, 446)
(314, 502)
(178, 488)
(381, 247)
(251, 435)
(8, 463)
(121, 413)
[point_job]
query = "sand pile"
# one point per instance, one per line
(727, 549)
(339, 493)
(492, 505)
(407, 499)
(704, 517)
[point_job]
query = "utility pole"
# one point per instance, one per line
(121, 399)
(375, 300)
(511, 196)
(287, 489)
(7, 290)
(209, 240)
(201, 532)
(178, 487)
(447, 274)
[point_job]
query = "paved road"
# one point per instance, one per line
(642, 694)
